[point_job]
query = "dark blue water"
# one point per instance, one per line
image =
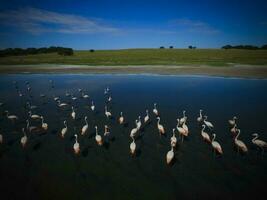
(48, 169)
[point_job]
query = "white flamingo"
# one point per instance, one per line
(234, 129)
(182, 132)
(76, 146)
(85, 127)
(132, 146)
(155, 110)
(134, 131)
(139, 123)
(173, 138)
(107, 113)
(215, 145)
(106, 131)
(170, 156)
(44, 125)
(61, 104)
(92, 106)
(259, 143)
(160, 127)
(109, 99)
(204, 134)
(200, 118)
(239, 144)
(183, 119)
(86, 96)
(207, 123)
(121, 118)
(98, 137)
(11, 117)
(34, 116)
(64, 130)
(232, 122)
(146, 117)
(24, 138)
(73, 114)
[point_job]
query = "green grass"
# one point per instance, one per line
(212, 57)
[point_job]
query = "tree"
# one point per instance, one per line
(227, 47)
(171, 47)
(162, 47)
(264, 46)
(190, 47)
(92, 50)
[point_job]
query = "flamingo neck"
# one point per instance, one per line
(203, 128)
(255, 138)
(214, 136)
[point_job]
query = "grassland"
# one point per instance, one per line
(209, 57)
(237, 63)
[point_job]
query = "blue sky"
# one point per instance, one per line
(117, 24)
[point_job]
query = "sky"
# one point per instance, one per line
(120, 24)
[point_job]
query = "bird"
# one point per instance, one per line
(200, 118)
(259, 143)
(109, 99)
(98, 137)
(160, 127)
(76, 146)
(73, 114)
(169, 156)
(30, 128)
(107, 113)
(215, 145)
(30, 105)
(139, 123)
(173, 138)
(183, 119)
(67, 94)
(121, 118)
(134, 130)
(44, 125)
(64, 130)
(207, 123)
(234, 129)
(106, 131)
(155, 110)
(204, 134)
(182, 132)
(132, 146)
(232, 122)
(85, 127)
(61, 104)
(86, 96)
(239, 144)
(11, 117)
(24, 138)
(34, 116)
(92, 106)
(146, 117)
(56, 98)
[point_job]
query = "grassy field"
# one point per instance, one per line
(209, 57)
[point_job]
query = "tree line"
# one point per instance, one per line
(31, 51)
(249, 47)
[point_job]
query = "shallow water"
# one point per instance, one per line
(47, 167)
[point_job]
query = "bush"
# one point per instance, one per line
(162, 47)
(92, 50)
(171, 47)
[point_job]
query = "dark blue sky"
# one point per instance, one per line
(112, 24)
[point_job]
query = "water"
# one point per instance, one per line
(48, 169)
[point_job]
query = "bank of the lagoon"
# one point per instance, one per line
(245, 71)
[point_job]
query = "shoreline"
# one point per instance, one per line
(239, 71)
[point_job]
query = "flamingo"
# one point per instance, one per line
(106, 132)
(205, 135)
(74, 98)
(121, 119)
(30, 128)
(56, 98)
(76, 146)
(109, 99)
(64, 130)
(11, 117)
(30, 106)
(232, 122)
(259, 143)
(23, 139)
(139, 123)
(215, 145)
(146, 117)
(73, 114)
(107, 113)
(182, 132)
(34, 116)
(61, 104)
(207, 123)
(173, 138)
(86, 96)
(239, 144)
(170, 156)
(134, 130)
(183, 119)
(92, 106)
(160, 127)
(44, 125)
(200, 118)
(155, 110)
(85, 127)
(132, 146)
(98, 137)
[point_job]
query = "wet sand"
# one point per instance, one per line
(245, 71)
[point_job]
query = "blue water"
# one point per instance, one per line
(48, 169)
